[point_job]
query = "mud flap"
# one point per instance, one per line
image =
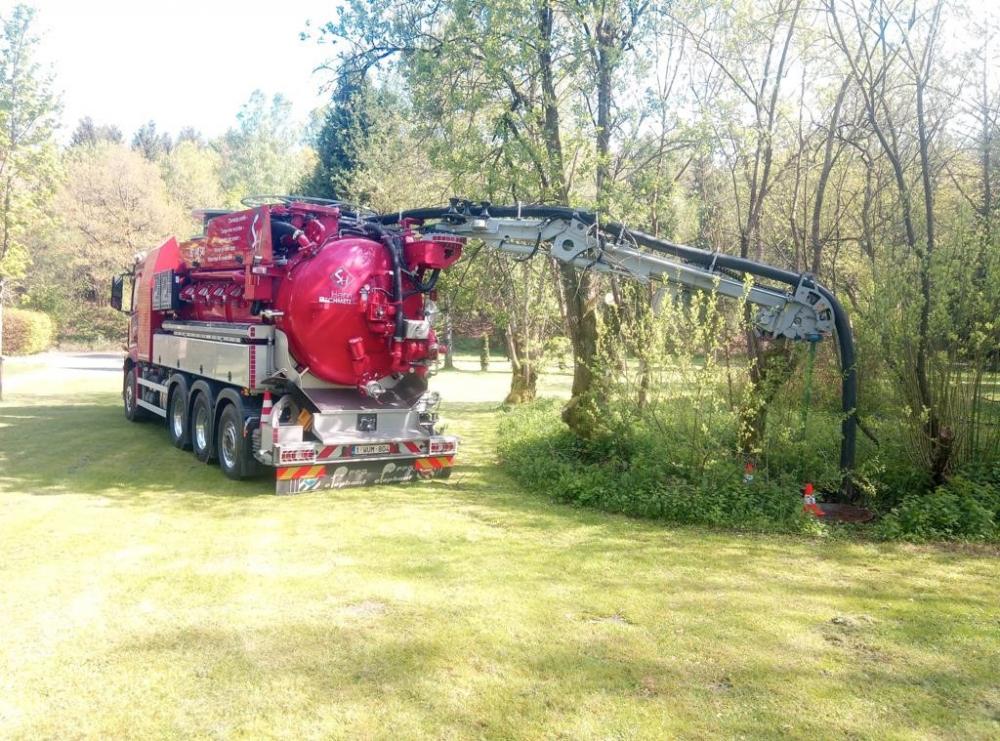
(301, 479)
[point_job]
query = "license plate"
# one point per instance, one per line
(371, 449)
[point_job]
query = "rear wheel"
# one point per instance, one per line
(201, 429)
(133, 412)
(177, 418)
(235, 457)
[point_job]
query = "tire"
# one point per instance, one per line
(235, 457)
(200, 426)
(133, 412)
(178, 425)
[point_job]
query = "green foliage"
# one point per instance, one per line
(650, 474)
(263, 155)
(191, 174)
(962, 509)
(341, 140)
(95, 326)
(26, 332)
(112, 205)
(642, 475)
(390, 167)
(88, 133)
(151, 143)
(28, 110)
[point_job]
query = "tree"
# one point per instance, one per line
(746, 53)
(392, 167)
(190, 134)
(27, 122)
(150, 143)
(191, 175)
(111, 205)
(473, 115)
(263, 154)
(343, 134)
(908, 66)
(494, 85)
(88, 133)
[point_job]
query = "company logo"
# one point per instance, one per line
(255, 233)
(341, 278)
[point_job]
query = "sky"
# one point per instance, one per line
(178, 62)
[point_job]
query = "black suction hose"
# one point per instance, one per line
(710, 260)
(390, 241)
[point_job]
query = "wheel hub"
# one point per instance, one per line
(178, 420)
(201, 429)
(229, 446)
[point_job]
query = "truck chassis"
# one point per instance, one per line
(224, 393)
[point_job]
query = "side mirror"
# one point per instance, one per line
(117, 291)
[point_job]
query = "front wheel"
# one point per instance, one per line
(130, 394)
(235, 457)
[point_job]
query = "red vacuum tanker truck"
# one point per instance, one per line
(297, 334)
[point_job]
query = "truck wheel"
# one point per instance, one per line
(133, 412)
(177, 419)
(235, 458)
(201, 429)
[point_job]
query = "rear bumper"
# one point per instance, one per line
(359, 472)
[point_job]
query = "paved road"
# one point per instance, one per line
(54, 372)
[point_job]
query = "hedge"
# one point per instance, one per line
(26, 332)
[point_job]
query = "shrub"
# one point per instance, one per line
(961, 509)
(93, 325)
(640, 476)
(26, 332)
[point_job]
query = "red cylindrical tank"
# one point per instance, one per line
(333, 299)
(344, 293)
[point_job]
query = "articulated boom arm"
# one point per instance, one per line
(802, 313)
(801, 310)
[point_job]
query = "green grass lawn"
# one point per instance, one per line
(142, 594)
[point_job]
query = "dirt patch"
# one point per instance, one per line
(615, 619)
(363, 610)
(852, 621)
(848, 632)
(724, 684)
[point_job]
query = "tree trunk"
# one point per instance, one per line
(3, 287)
(524, 374)
(581, 315)
(484, 353)
(763, 355)
(767, 377)
(449, 356)
(941, 437)
(577, 286)
(815, 235)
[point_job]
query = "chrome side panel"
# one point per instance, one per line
(230, 362)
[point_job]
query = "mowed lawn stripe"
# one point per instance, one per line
(143, 594)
